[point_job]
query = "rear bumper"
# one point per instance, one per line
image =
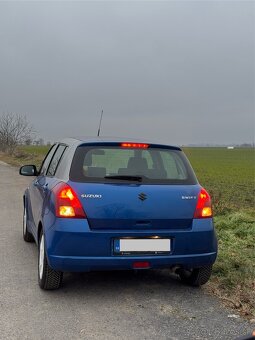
(72, 246)
(82, 264)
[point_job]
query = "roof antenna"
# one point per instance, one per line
(98, 132)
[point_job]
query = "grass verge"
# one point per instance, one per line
(25, 155)
(233, 277)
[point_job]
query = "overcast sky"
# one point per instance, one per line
(177, 72)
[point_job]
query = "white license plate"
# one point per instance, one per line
(144, 245)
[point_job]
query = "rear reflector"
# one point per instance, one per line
(134, 145)
(141, 265)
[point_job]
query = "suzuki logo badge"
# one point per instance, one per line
(142, 196)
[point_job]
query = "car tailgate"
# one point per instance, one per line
(137, 206)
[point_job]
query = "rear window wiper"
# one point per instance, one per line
(125, 177)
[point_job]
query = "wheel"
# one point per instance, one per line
(27, 236)
(196, 276)
(48, 278)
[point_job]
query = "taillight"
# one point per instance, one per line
(204, 205)
(67, 204)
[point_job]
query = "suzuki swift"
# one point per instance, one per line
(101, 204)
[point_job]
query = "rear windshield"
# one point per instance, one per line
(111, 164)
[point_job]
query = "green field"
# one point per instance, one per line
(38, 150)
(229, 177)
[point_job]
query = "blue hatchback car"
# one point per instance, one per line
(114, 204)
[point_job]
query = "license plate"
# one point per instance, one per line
(142, 245)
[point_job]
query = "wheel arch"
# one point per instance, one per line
(40, 228)
(24, 199)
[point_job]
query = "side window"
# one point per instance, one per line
(47, 159)
(55, 160)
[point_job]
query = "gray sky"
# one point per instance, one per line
(177, 72)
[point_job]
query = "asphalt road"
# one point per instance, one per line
(105, 305)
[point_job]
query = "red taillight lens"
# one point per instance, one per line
(204, 205)
(67, 202)
(134, 145)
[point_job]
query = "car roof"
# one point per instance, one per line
(100, 140)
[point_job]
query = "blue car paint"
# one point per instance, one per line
(87, 244)
(74, 247)
(120, 201)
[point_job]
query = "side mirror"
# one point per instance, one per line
(28, 170)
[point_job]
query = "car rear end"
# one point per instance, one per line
(129, 205)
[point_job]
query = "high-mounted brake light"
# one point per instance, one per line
(204, 205)
(134, 145)
(67, 202)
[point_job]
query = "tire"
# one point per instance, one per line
(27, 236)
(197, 276)
(48, 278)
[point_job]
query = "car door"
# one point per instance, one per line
(46, 180)
(37, 187)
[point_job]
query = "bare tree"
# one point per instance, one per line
(14, 130)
